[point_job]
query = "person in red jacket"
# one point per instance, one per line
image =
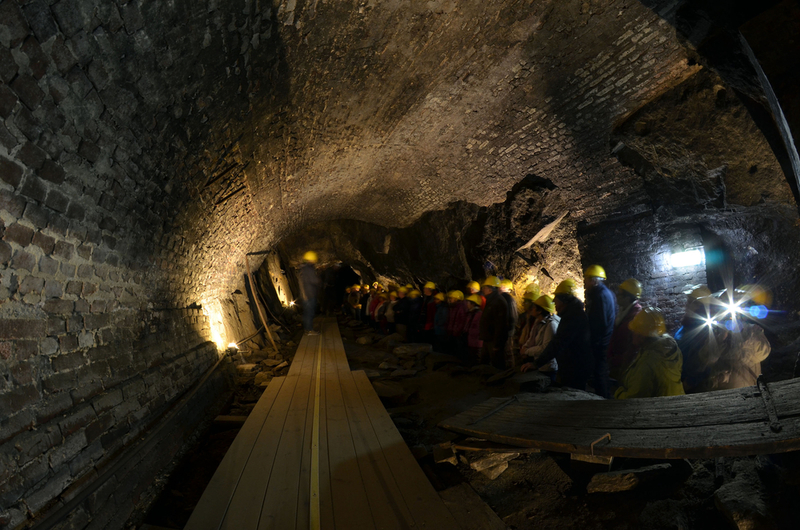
(621, 351)
(455, 319)
(471, 331)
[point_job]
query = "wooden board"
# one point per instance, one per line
(725, 423)
(418, 494)
(214, 502)
(360, 470)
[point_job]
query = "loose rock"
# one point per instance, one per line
(410, 350)
(494, 472)
(626, 479)
(492, 460)
(743, 500)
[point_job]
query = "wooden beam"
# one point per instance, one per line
(261, 315)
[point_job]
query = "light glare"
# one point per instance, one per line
(233, 345)
(686, 259)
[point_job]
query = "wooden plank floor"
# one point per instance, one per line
(320, 451)
(724, 423)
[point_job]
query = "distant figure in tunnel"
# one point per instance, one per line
(311, 284)
(494, 325)
(620, 349)
(601, 309)
(656, 369)
(570, 346)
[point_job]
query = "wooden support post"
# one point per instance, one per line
(258, 304)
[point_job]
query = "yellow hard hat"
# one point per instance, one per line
(699, 292)
(632, 286)
(310, 257)
(357, 287)
(546, 303)
(757, 294)
(458, 295)
(508, 284)
(393, 293)
(492, 281)
(475, 286)
(567, 286)
(402, 290)
(414, 294)
(475, 299)
(594, 271)
(530, 295)
(649, 322)
(429, 285)
(439, 296)
(409, 286)
(532, 288)
(375, 285)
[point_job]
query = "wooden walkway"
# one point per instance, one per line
(745, 421)
(319, 451)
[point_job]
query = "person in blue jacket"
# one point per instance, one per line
(601, 309)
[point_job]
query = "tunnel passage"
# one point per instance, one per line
(147, 147)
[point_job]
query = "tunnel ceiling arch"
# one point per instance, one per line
(205, 130)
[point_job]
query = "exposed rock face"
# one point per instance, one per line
(743, 500)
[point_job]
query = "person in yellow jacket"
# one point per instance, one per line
(656, 369)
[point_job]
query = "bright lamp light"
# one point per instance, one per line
(688, 258)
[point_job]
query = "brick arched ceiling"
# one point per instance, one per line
(184, 134)
(380, 111)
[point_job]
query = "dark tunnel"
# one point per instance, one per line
(165, 166)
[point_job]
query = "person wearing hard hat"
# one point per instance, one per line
(527, 318)
(545, 326)
(571, 344)
(386, 314)
(440, 322)
(506, 286)
(310, 284)
(363, 314)
(620, 348)
(401, 313)
(694, 333)
(414, 314)
(494, 325)
(601, 310)
(456, 316)
(736, 346)
(428, 310)
(656, 369)
(471, 343)
(474, 287)
(354, 301)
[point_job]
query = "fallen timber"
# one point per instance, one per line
(761, 419)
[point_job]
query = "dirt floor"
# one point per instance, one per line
(538, 490)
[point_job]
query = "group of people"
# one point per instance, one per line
(610, 340)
